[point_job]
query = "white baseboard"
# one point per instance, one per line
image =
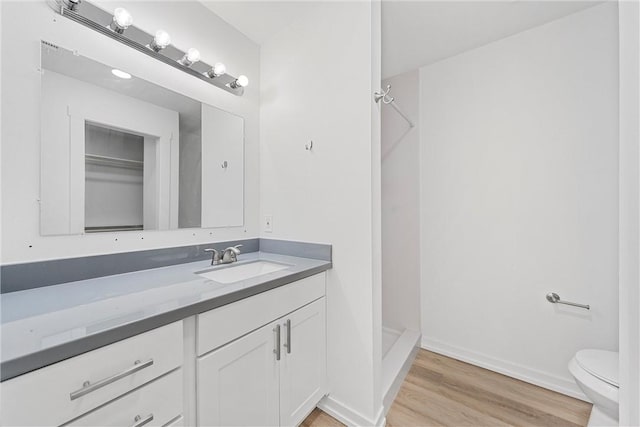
(348, 416)
(542, 379)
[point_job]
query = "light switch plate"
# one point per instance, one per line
(268, 223)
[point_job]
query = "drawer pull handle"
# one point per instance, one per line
(288, 343)
(139, 421)
(88, 387)
(276, 350)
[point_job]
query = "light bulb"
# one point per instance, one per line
(72, 4)
(122, 17)
(160, 41)
(121, 20)
(189, 58)
(217, 70)
(241, 81)
(193, 55)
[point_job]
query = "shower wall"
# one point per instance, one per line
(400, 207)
(519, 197)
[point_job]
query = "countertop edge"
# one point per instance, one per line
(21, 365)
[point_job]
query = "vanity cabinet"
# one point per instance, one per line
(273, 374)
(67, 390)
(257, 361)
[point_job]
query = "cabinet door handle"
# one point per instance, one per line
(288, 343)
(277, 349)
(87, 387)
(139, 421)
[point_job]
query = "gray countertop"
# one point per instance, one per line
(42, 326)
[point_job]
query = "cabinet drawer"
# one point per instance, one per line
(222, 325)
(157, 403)
(57, 393)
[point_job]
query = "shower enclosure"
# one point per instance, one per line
(400, 222)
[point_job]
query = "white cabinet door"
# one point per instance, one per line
(303, 367)
(238, 383)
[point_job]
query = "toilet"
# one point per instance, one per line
(596, 373)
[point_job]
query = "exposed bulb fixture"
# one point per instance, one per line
(118, 24)
(122, 19)
(241, 81)
(192, 56)
(120, 73)
(71, 4)
(217, 70)
(160, 41)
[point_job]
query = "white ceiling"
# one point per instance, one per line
(414, 33)
(418, 33)
(260, 19)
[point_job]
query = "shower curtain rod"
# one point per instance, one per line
(389, 100)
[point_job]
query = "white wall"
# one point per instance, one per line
(330, 194)
(519, 197)
(190, 24)
(629, 213)
(222, 187)
(401, 206)
(190, 192)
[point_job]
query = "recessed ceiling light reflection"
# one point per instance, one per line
(120, 73)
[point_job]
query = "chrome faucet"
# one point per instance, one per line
(230, 254)
(216, 258)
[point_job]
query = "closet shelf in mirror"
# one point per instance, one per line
(96, 159)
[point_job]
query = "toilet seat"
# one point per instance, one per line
(602, 364)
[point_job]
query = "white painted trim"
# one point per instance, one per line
(396, 365)
(396, 358)
(391, 330)
(348, 416)
(629, 228)
(532, 376)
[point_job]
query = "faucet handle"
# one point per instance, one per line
(230, 254)
(233, 249)
(215, 256)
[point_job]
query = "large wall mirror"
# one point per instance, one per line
(121, 153)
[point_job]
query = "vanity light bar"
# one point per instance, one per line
(157, 46)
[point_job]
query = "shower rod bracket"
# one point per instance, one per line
(383, 96)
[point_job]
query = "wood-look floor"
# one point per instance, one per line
(440, 391)
(320, 419)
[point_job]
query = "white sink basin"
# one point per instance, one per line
(235, 273)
